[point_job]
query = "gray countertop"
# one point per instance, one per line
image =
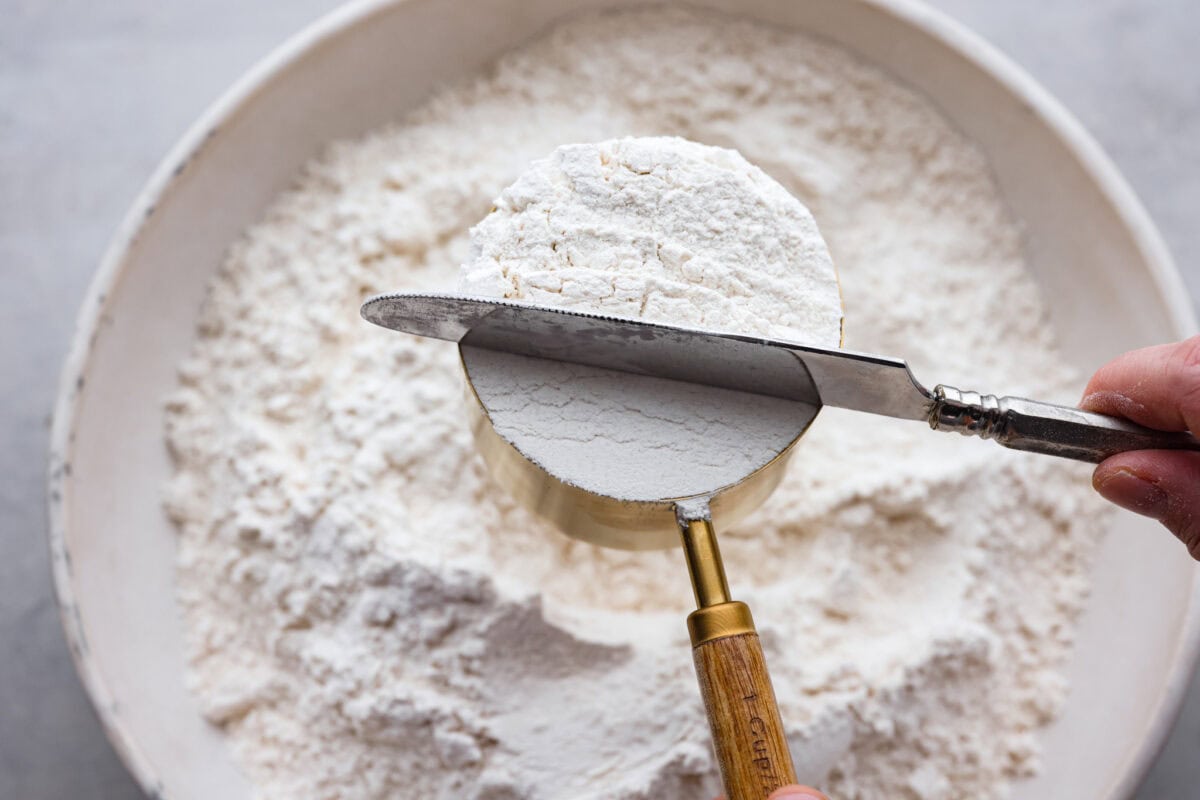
(93, 94)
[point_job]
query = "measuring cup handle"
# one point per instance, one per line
(747, 731)
(1047, 428)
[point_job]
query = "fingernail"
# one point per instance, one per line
(1131, 491)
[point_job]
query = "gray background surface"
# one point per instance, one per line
(92, 94)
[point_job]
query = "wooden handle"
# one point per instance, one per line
(747, 732)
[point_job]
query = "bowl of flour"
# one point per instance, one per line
(285, 572)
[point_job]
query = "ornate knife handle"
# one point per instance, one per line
(1046, 428)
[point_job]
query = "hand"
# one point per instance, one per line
(1158, 387)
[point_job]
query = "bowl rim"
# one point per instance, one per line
(952, 34)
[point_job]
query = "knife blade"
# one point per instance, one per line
(764, 365)
(760, 365)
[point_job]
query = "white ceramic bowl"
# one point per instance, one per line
(1093, 250)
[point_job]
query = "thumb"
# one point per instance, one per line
(1164, 485)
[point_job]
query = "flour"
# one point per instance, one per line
(662, 229)
(369, 617)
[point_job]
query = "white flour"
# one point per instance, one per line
(667, 230)
(660, 228)
(369, 618)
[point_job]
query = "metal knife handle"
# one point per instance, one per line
(1047, 428)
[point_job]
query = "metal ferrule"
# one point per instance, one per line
(717, 622)
(968, 413)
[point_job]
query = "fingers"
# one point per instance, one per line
(796, 792)
(1157, 386)
(1161, 484)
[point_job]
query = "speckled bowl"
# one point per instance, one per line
(1092, 248)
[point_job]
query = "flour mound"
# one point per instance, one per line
(663, 229)
(368, 617)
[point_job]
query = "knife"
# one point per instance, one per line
(760, 365)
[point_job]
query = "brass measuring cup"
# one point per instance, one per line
(747, 731)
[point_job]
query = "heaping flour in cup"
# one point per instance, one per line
(662, 229)
(368, 617)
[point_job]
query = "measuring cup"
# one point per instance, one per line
(747, 731)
